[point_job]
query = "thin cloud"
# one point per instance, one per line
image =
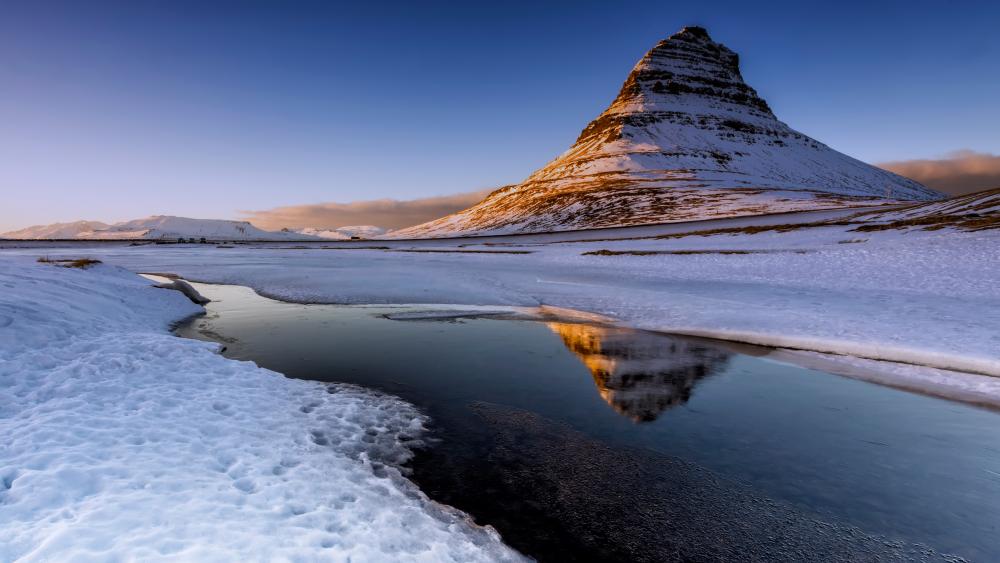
(960, 172)
(386, 213)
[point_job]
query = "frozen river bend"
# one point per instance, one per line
(927, 301)
(122, 441)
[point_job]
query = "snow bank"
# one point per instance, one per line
(122, 441)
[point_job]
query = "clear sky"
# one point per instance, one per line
(113, 111)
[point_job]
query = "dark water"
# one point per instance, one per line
(579, 442)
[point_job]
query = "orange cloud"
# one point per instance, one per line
(960, 172)
(386, 213)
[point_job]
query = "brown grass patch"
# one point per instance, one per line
(82, 263)
(753, 229)
(936, 222)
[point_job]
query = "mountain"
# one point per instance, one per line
(55, 230)
(158, 227)
(331, 234)
(344, 233)
(685, 139)
(363, 231)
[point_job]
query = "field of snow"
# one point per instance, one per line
(919, 297)
(124, 442)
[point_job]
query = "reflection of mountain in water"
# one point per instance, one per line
(640, 374)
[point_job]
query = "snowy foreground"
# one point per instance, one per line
(124, 442)
(927, 298)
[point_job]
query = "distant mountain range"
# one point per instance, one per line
(164, 227)
(56, 231)
(343, 233)
(685, 139)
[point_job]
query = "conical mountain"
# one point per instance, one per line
(685, 139)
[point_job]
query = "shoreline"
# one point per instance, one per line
(912, 377)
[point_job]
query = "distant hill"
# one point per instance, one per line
(157, 227)
(685, 139)
(56, 230)
(344, 233)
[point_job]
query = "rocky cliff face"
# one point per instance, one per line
(686, 138)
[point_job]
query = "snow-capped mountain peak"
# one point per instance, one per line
(686, 138)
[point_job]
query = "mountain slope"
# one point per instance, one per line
(685, 139)
(978, 211)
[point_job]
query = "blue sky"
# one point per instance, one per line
(117, 110)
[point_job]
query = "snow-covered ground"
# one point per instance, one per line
(124, 442)
(928, 298)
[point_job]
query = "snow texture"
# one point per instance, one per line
(123, 442)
